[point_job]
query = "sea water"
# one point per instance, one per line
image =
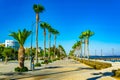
(98, 57)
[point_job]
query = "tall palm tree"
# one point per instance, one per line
(50, 30)
(55, 33)
(44, 25)
(87, 34)
(37, 9)
(21, 37)
(81, 40)
(62, 52)
(77, 46)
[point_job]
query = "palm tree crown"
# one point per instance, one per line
(38, 8)
(77, 44)
(87, 33)
(20, 36)
(81, 36)
(50, 29)
(44, 25)
(55, 32)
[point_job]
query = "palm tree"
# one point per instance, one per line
(50, 30)
(44, 25)
(77, 46)
(62, 52)
(7, 52)
(81, 40)
(87, 34)
(55, 33)
(21, 37)
(37, 9)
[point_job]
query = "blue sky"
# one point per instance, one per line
(69, 17)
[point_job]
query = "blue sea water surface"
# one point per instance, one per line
(106, 57)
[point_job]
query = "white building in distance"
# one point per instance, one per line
(11, 43)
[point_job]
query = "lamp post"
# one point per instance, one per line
(31, 54)
(113, 51)
(101, 53)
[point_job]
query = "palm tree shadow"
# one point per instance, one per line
(94, 78)
(23, 73)
(101, 75)
(13, 73)
(88, 68)
(46, 74)
(49, 67)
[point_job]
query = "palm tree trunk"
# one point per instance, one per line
(60, 53)
(44, 43)
(21, 53)
(54, 45)
(81, 48)
(88, 54)
(6, 59)
(37, 19)
(49, 37)
(84, 48)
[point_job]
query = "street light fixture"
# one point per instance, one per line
(31, 54)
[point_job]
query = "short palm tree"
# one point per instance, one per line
(55, 33)
(21, 37)
(87, 34)
(44, 26)
(37, 9)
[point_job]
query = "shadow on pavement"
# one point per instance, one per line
(48, 74)
(101, 75)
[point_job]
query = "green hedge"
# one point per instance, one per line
(94, 64)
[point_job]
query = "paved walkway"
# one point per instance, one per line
(67, 69)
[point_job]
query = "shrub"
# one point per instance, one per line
(24, 69)
(42, 63)
(37, 65)
(46, 61)
(94, 64)
(18, 69)
(49, 61)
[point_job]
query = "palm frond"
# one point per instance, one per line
(44, 25)
(20, 36)
(38, 8)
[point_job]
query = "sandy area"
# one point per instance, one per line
(61, 70)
